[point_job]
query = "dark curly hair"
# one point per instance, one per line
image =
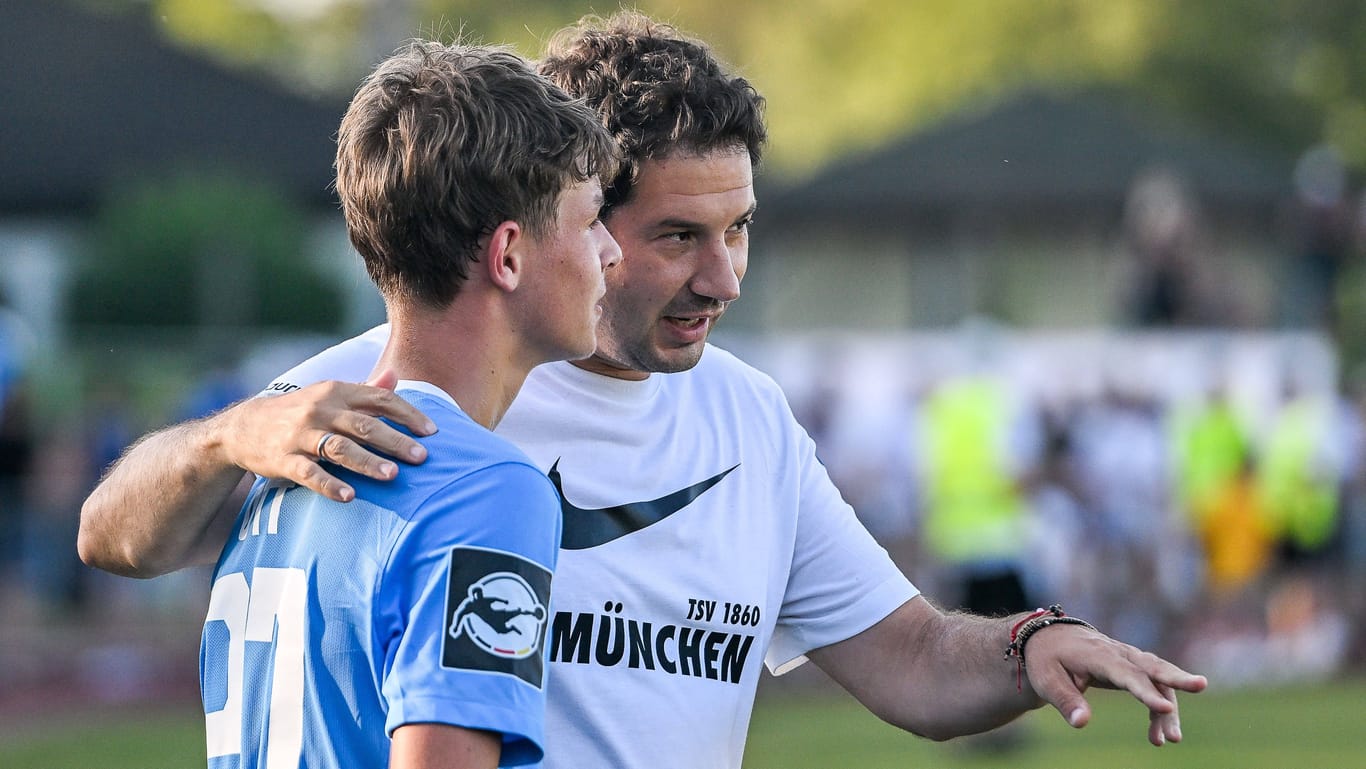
(656, 90)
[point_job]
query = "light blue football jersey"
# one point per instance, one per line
(422, 600)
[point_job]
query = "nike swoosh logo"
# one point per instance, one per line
(585, 528)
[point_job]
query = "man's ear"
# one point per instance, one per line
(504, 256)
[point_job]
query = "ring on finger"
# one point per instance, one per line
(322, 446)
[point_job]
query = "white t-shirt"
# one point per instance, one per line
(700, 534)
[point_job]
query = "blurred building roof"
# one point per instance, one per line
(90, 98)
(1037, 154)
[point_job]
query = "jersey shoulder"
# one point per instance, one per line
(460, 437)
(348, 361)
(458, 449)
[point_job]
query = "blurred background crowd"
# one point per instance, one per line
(1219, 518)
(1068, 288)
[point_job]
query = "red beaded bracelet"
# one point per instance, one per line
(1028, 626)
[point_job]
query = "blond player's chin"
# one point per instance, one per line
(584, 350)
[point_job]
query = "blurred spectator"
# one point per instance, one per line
(1352, 416)
(1162, 238)
(1323, 232)
(1123, 462)
(1238, 535)
(975, 515)
(871, 457)
(67, 460)
(1060, 524)
(1299, 478)
(1212, 447)
(62, 475)
(15, 342)
(16, 455)
(16, 435)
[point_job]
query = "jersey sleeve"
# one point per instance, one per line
(842, 581)
(464, 605)
(348, 361)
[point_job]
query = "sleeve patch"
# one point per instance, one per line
(495, 614)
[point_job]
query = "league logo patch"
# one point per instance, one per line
(495, 614)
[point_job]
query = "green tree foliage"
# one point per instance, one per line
(1285, 72)
(842, 75)
(202, 250)
(847, 75)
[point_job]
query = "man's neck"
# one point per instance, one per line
(599, 365)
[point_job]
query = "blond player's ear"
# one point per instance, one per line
(503, 255)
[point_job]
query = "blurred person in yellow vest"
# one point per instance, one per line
(974, 510)
(1299, 475)
(1211, 447)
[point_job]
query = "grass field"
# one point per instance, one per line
(1320, 727)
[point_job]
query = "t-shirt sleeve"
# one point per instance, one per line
(348, 361)
(842, 581)
(464, 605)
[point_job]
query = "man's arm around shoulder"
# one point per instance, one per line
(166, 504)
(169, 502)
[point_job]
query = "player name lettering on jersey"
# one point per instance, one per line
(609, 639)
(265, 500)
(279, 387)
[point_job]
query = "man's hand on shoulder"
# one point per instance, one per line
(296, 436)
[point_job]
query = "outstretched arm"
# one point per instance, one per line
(943, 675)
(169, 501)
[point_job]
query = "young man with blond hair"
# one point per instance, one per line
(404, 628)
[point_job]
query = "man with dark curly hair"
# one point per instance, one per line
(700, 532)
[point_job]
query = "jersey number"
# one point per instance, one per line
(269, 610)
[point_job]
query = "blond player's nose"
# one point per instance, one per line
(610, 252)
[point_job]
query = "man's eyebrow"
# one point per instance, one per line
(688, 224)
(678, 224)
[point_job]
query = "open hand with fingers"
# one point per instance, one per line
(296, 436)
(1064, 660)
